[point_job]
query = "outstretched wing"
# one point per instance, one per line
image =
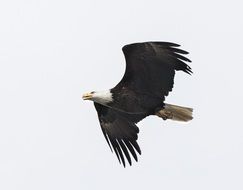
(151, 66)
(120, 134)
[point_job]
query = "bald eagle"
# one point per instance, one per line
(148, 78)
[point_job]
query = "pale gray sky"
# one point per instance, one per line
(53, 51)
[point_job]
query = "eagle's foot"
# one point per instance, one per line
(165, 114)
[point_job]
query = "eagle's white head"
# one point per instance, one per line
(101, 97)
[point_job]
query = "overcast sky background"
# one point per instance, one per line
(51, 52)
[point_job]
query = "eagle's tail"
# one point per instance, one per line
(177, 113)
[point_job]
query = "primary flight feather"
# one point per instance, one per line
(149, 77)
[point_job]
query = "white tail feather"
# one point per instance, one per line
(177, 113)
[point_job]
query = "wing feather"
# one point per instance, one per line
(124, 149)
(131, 149)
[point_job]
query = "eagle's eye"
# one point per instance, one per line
(92, 92)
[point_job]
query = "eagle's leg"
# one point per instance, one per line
(164, 114)
(174, 112)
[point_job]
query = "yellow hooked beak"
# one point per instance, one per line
(87, 96)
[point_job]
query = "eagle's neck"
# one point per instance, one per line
(103, 97)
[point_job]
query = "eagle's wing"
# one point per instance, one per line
(119, 133)
(150, 67)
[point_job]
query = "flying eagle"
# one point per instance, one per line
(149, 77)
